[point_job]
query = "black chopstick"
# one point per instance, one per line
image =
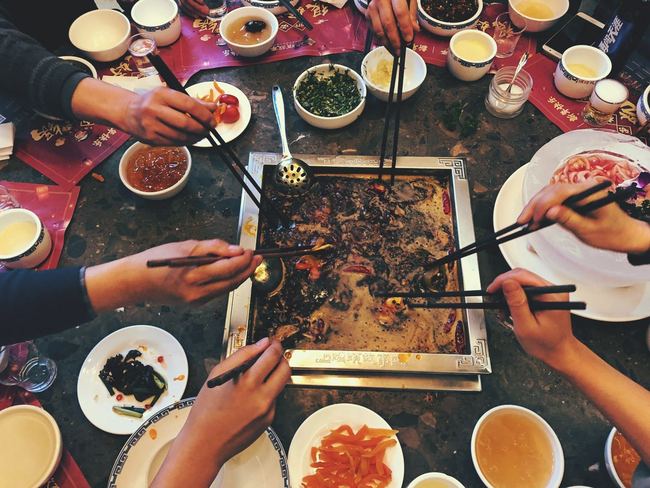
(534, 305)
(530, 291)
(370, 35)
(398, 108)
(387, 117)
(296, 13)
(220, 146)
(505, 235)
(231, 373)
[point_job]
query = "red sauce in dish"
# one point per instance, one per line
(156, 168)
(625, 458)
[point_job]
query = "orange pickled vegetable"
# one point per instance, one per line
(345, 459)
(218, 88)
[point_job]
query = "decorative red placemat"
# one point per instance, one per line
(65, 151)
(54, 205)
(565, 112)
(68, 474)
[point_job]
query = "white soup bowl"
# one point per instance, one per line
(573, 85)
(470, 70)
(35, 248)
(102, 35)
(157, 19)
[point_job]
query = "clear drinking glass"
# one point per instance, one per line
(27, 369)
(140, 47)
(605, 100)
(7, 200)
(218, 9)
(506, 35)
(503, 104)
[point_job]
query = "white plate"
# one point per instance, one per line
(228, 132)
(321, 422)
(606, 304)
(262, 465)
(93, 397)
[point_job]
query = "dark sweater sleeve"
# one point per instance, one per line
(37, 303)
(639, 259)
(33, 74)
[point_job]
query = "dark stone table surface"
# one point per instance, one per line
(435, 428)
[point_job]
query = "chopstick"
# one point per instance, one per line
(296, 13)
(221, 148)
(534, 305)
(231, 373)
(530, 291)
(273, 252)
(506, 234)
(369, 38)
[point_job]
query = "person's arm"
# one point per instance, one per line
(226, 419)
(548, 336)
(195, 8)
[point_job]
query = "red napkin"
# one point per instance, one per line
(54, 205)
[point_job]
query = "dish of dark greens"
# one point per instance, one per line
(450, 10)
(129, 376)
(384, 240)
(329, 94)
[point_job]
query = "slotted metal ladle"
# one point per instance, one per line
(291, 174)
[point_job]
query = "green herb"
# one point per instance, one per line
(328, 95)
(454, 117)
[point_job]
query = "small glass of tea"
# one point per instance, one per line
(604, 102)
(506, 35)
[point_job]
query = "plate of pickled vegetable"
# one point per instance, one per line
(233, 112)
(345, 445)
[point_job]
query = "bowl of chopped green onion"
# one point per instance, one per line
(329, 96)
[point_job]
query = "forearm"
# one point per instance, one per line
(115, 284)
(624, 402)
(101, 102)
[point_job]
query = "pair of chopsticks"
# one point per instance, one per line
(272, 252)
(296, 13)
(225, 153)
(518, 230)
(530, 291)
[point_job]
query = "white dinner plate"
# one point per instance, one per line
(321, 422)
(228, 132)
(262, 465)
(606, 304)
(153, 342)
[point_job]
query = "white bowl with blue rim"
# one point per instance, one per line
(464, 68)
(30, 246)
(447, 29)
(643, 107)
(362, 6)
(574, 84)
(273, 6)
(157, 19)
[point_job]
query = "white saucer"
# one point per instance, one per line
(262, 465)
(93, 397)
(228, 132)
(607, 304)
(321, 422)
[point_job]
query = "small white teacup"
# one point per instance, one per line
(157, 19)
(579, 70)
(643, 107)
(24, 241)
(470, 54)
(440, 480)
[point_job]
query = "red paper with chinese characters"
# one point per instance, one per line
(565, 112)
(65, 151)
(68, 474)
(54, 205)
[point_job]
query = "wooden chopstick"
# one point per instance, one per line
(530, 291)
(534, 305)
(296, 13)
(221, 148)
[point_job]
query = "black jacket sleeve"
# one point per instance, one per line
(33, 74)
(36, 303)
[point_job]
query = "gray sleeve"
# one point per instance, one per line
(34, 75)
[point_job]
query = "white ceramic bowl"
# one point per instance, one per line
(331, 122)
(273, 6)
(442, 481)
(415, 72)
(559, 8)
(153, 195)
(254, 13)
(573, 85)
(470, 70)
(33, 444)
(446, 29)
(103, 35)
(609, 461)
(34, 250)
(362, 6)
(643, 107)
(157, 19)
(558, 454)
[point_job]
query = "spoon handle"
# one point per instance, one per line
(278, 106)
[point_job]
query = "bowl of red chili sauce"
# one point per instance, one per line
(155, 173)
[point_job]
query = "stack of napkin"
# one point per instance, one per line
(7, 132)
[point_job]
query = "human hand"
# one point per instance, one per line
(391, 18)
(195, 8)
(227, 419)
(546, 335)
(608, 227)
(128, 280)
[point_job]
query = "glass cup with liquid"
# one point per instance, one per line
(605, 100)
(140, 47)
(27, 369)
(7, 200)
(506, 35)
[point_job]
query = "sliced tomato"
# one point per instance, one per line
(230, 114)
(357, 268)
(228, 99)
